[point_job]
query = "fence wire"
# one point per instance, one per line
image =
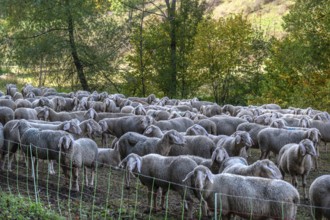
(108, 198)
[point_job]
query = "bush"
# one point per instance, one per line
(18, 207)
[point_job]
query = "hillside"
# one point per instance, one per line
(266, 14)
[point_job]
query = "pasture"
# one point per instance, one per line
(109, 198)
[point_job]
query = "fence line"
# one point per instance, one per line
(108, 197)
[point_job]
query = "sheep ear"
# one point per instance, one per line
(138, 164)
(213, 157)
(238, 139)
(302, 149)
(66, 126)
(188, 176)
(209, 176)
(89, 128)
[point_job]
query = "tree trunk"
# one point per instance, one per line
(141, 54)
(74, 53)
(171, 17)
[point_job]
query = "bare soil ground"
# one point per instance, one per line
(110, 199)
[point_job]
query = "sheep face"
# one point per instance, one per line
(201, 175)
(175, 137)
(306, 146)
(65, 143)
(219, 155)
(93, 128)
(314, 135)
(243, 137)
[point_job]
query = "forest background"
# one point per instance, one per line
(227, 51)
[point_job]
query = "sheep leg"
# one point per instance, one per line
(92, 177)
(304, 183)
(51, 167)
(294, 181)
(152, 200)
(127, 179)
(86, 177)
(164, 191)
(10, 161)
(75, 178)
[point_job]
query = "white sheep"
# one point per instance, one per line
(296, 159)
(248, 197)
(319, 194)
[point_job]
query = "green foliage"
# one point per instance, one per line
(227, 57)
(17, 207)
(298, 71)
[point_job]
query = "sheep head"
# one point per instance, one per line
(219, 155)
(306, 147)
(174, 137)
(66, 143)
(72, 127)
(132, 163)
(196, 129)
(201, 176)
(267, 169)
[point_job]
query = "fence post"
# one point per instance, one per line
(33, 175)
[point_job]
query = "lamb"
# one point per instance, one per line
(108, 157)
(260, 198)
(76, 154)
(262, 168)
(49, 114)
(197, 145)
(158, 171)
(25, 113)
(132, 142)
(121, 125)
(226, 125)
(179, 124)
(296, 159)
(237, 143)
(319, 194)
(6, 114)
(273, 139)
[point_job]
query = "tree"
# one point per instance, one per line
(64, 37)
(298, 71)
(225, 57)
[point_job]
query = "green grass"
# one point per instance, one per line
(18, 207)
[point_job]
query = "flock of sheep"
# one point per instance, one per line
(196, 148)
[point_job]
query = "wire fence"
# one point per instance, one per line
(109, 197)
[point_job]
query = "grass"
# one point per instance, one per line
(18, 207)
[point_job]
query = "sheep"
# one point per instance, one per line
(25, 113)
(8, 103)
(211, 110)
(319, 194)
(159, 115)
(323, 127)
(17, 96)
(295, 122)
(253, 129)
(209, 126)
(195, 103)
(226, 124)
(132, 142)
(237, 143)
(127, 109)
(156, 171)
(231, 161)
(41, 144)
(108, 157)
(23, 103)
(260, 198)
(179, 124)
(153, 131)
(119, 126)
(11, 89)
(197, 145)
(90, 128)
(196, 129)
(273, 139)
(296, 159)
(76, 154)
(219, 155)
(230, 109)
(103, 115)
(6, 114)
(51, 115)
(110, 106)
(262, 168)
